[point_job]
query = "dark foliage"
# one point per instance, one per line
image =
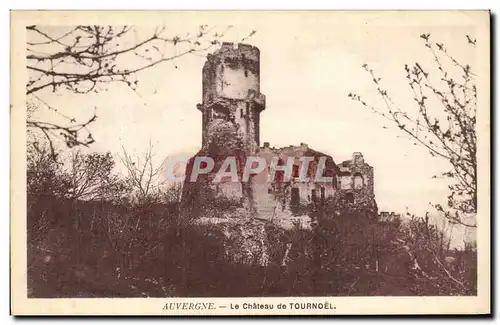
(120, 251)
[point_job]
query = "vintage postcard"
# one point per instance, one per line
(250, 162)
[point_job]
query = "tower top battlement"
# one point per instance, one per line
(239, 51)
(233, 72)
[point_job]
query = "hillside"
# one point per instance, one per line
(101, 249)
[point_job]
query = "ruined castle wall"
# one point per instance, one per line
(306, 191)
(356, 182)
(236, 80)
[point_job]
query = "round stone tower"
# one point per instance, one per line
(231, 94)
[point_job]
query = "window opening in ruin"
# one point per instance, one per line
(248, 109)
(349, 197)
(244, 64)
(358, 181)
(322, 194)
(295, 197)
(279, 175)
(335, 182)
(313, 195)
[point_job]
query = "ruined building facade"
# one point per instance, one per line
(296, 194)
(356, 182)
(231, 111)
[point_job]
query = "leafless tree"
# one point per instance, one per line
(85, 59)
(443, 121)
(142, 176)
(77, 176)
(429, 252)
(43, 174)
(91, 177)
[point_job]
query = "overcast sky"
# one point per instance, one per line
(309, 64)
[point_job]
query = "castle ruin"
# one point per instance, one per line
(231, 108)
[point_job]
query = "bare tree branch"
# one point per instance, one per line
(142, 176)
(85, 59)
(446, 127)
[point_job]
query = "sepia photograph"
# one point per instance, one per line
(250, 162)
